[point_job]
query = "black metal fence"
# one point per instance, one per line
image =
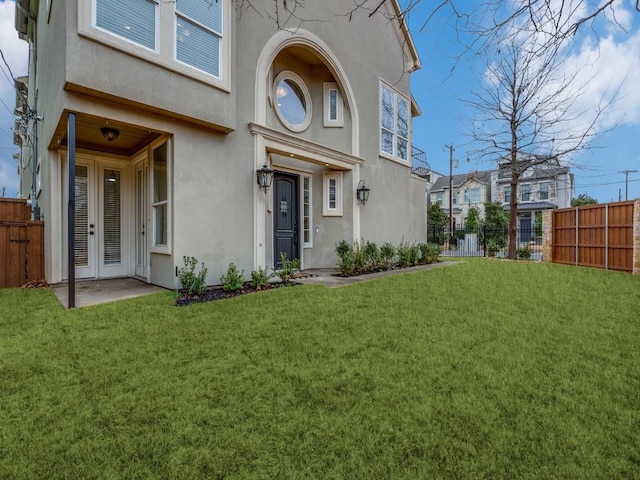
(483, 241)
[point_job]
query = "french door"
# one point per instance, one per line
(142, 207)
(99, 221)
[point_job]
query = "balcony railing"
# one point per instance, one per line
(419, 164)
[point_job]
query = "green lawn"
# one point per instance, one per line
(485, 369)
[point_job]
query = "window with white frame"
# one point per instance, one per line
(439, 198)
(292, 101)
(199, 33)
(186, 36)
(333, 105)
(544, 191)
(332, 194)
(134, 20)
(160, 200)
(472, 195)
(525, 193)
(394, 123)
(307, 218)
(507, 194)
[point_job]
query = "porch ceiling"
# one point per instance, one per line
(88, 136)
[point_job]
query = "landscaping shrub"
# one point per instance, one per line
(429, 252)
(372, 256)
(191, 282)
(233, 280)
(493, 247)
(259, 278)
(387, 255)
(346, 259)
(289, 268)
(407, 254)
(524, 253)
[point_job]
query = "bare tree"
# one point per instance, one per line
(528, 110)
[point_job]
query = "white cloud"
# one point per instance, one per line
(604, 67)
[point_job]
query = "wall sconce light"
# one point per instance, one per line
(264, 176)
(110, 133)
(362, 193)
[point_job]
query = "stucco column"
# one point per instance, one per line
(636, 237)
(547, 236)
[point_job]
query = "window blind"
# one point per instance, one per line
(134, 20)
(111, 227)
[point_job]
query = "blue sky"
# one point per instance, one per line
(440, 91)
(612, 58)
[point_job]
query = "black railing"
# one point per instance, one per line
(484, 241)
(419, 164)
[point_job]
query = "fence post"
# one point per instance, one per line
(636, 237)
(577, 234)
(547, 236)
(484, 240)
(606, 237)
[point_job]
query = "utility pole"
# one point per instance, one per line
(626, 182)
(451, 149)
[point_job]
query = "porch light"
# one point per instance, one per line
(264, 177)
(362, 193)
(110, 133)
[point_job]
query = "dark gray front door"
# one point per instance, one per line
(285, 223)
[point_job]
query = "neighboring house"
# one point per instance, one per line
(469, 190)
(541, 187)
(177, 105)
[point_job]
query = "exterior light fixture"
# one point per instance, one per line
(110, 133)
(362, 193)
(264, 176)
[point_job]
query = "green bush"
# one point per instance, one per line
(259, 278)
(346, 259)
(387, 255)
(429, 252)
(408, 254)
(288, 269)
(233, 280)
(191, 282)
(524, 253)
(493, 247)
(372, 256)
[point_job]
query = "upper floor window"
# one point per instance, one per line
(525, 193)
(439, 198)
(293, 101)
(394, 123)
(507, 194)
(134, 20)
(186, 36)
(198, 34)
(472, 195)
(544, 191)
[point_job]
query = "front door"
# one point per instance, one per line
(525, 227)
(285, 223)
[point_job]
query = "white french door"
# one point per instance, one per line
(99, 229)
(141, 222)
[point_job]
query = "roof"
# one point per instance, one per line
(442, 183)
(525, 207)
(408, 45)
(536, 172)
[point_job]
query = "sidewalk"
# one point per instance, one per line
(328, 276)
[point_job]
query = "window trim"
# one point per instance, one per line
(329, 87)
(507, 188)
(396, 96)
(295, 78)
(164, 249)
(328, 211)
(164, 54)
(541, 191)
(526, 192)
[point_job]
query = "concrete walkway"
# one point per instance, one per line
(94, 292)
(328, 277)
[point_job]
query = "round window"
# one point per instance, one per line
(293, 103)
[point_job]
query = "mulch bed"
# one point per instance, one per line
(218, 293)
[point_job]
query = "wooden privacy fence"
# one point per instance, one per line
(21, 244)
(600, 236)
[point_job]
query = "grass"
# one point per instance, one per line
(480, 370)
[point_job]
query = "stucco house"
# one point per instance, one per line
(543, 186)
(469, 190)
(170, 111)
